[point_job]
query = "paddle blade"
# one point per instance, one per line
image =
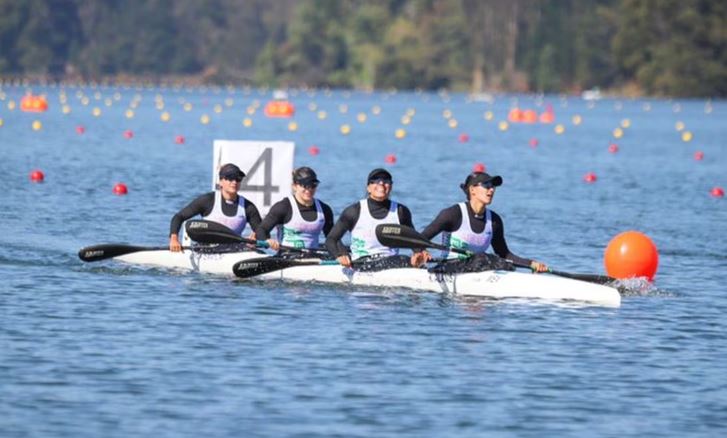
(400, 236)
(263, 265)
(106, 251)
(202, 231)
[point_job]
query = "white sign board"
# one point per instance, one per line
(268, 167)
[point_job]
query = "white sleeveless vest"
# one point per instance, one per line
(237, 222)
(363, 236)
(298, 232)
(465, 238)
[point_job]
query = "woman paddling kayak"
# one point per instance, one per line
(361, 219)
(472, 226)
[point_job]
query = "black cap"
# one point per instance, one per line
(475, 178)
(379, 173)
(305, 176)
(229, 170)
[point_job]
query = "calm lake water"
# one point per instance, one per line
(89, 350)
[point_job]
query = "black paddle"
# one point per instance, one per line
(203, 231)
(105, 251)
(263, 265)
(401, 236)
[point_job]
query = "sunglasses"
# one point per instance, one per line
(232, 178)
(309, 186)
(486, 185)
(384, 181)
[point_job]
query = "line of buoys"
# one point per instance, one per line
(631, 254)
(37, 176)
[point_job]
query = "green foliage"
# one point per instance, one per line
(662, 47)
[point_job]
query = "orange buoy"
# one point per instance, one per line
(515, 115)
(547, 117)
(590, 177)
(717, 192)
(478, 167)
(279, 108)
(37, 176)
(33, 104)
(529, 116)
(120, 189)
(631, 254)
(314, 150)
(390, 159)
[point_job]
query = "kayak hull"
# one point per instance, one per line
(492, 284)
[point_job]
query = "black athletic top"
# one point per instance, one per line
(282, 211)
(347, 221)
(450, 219)
(203, 205)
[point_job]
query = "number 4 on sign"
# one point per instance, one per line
(267, 188)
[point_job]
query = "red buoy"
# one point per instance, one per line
(631, 254)
(590, 177)
(80, 129)
(390, 159)
(613, 148)
(534, 142)
(37, 176)
(464, 137)
(314, 150)
(717, 192)
(478, 167)
(699, 155)
(128, 134)
(179, 139)
(120, 189)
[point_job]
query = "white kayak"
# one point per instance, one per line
(492, 284)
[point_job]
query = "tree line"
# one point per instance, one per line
(656, 47)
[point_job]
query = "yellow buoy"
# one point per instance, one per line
(247, 122)
(405, 120)
(345, 129)
(503, 125)
(410, 112)
(165, 116)
(452, 123)
(618, 133)
(343, 108)
(625, 123)
(400, 133)
(96, 111)
(686, 136)
(322, 115)
(361, 117)
(292, 126)
(559, 129)
(576, 120)
(160, 105)
(489, 115)
(251, 110)
(11, 105)
(679, 126)
(218, 108)
(129, 113)
(447, 114)
(376, 110)
(229, 102)
(204, 119)
(37, 126)
(2, 122)
(66, 109)
(188, 106)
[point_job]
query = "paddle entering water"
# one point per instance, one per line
(203, 231)
(401, 236)
(105, 251)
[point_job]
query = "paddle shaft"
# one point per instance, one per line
(263, 265)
